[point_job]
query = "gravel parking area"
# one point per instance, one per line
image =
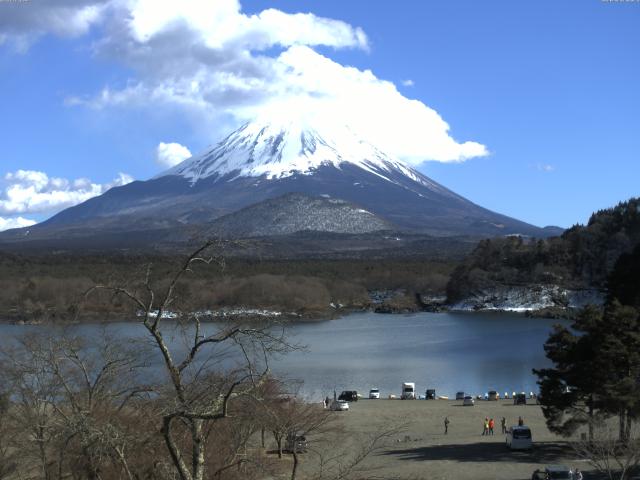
(424, 451)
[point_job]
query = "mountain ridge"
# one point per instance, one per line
(258, 162)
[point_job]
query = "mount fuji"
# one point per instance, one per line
(263, 161)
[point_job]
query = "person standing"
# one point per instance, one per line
(503, 422)
(446, 425)
(520, 421)
(485, 430)
(492, 424)
(578, 475)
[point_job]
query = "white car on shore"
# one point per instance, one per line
(468, 401)
(408, 391)
(374, 393)
(519, 438)
(339, 406)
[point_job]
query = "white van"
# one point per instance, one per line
(408, 391)
(519, 438)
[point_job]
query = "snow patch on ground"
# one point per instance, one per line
(225, 312)
(529, 298)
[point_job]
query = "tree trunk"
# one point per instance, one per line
(123, 461)
(198, 450)
(43, 452)
(591, 420)
(294, 470)
(176, 456)
(627, 437)
(622, 425)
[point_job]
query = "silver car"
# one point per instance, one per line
(339, 405)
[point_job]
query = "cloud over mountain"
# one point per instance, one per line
(215, 62)
(17, 222)
(33, 192)
(170, 154)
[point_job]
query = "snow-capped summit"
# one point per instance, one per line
(277, 150)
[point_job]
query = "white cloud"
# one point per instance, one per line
(22, 22)
(218, 64)
(408, 83)
(544, 167)
(170, 154)
(29, 191)
(17, 222)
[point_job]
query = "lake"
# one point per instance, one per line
(471, 352)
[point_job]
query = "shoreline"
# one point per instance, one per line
(291, 317)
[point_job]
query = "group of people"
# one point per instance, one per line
(489, 425)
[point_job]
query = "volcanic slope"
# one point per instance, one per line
(262, 161)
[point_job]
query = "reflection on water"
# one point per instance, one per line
(450, 352)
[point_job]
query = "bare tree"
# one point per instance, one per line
(296, 424)
(292, 421)
(8, 461)
(202, 385)
(70, 405)
(333, 464)
(616, 459)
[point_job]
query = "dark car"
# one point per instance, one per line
(559, 472)
(430, 394)
(349, 396)
(296, 442)
(538, 475)
(520, 399)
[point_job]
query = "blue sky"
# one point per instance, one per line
(550, 88)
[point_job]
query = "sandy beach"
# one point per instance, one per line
(424, 451)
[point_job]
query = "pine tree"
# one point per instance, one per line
(569, 390)
(597, 360)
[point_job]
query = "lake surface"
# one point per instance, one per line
(471, 352)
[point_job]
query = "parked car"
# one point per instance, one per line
(460, 396)
(468, 401)
(339, 405)
(408, 391)
(349, 396)
(297, 442)
(539, 475)
(519, 438)
(520, 399)
(430, 394)
(493, 395)
(374, 393)
(554, 472)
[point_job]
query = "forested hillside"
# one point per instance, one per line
(50, 287)
(582, 257)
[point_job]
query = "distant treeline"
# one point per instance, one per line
(50, 288)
